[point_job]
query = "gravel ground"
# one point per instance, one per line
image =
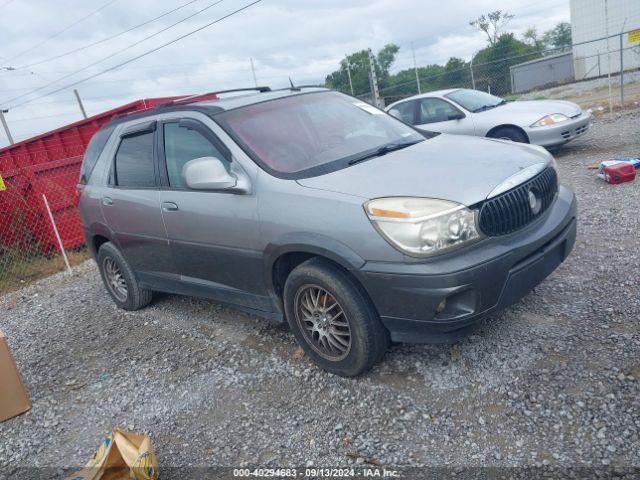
(554, 381)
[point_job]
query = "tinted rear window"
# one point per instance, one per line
(134, 162)
(92, 153)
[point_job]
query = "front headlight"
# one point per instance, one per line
(422, 227)
(551, 120)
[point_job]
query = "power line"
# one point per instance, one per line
(114, 53)
(144, 54)
(60, 32)
(163, 76)
(106, 39)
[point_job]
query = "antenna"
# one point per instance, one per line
(293, 87)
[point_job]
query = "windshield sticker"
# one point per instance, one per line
(368, 108)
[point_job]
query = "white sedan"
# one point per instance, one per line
(549, 123)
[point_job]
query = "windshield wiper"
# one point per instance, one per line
(488, 107)
(384, 149)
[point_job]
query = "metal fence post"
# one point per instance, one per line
(621, 71)
(55, 230)
(473, 80)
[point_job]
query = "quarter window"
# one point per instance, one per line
(91, 155)
(182, 144)
(435, 110)
(134, 162)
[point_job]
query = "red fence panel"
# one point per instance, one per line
(49, 164)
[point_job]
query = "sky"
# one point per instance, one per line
(301, 39)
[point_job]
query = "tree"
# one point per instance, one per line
(360, 67)
(559, 36)
(457, 73)
(403, 83)
(491, 64)
(531, 37)
(492, 24)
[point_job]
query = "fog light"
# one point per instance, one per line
(442, 305)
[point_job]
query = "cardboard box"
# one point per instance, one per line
(13, 396)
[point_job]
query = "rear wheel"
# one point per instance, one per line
(509, 133)
(120, 280)
(333, 319)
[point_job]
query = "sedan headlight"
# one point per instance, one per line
(422, 227)
(551, 120)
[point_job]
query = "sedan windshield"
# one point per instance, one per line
(314, 133)
(474, 100)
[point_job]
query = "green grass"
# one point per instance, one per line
(19, 268)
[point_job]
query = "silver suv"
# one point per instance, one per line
(309, 206)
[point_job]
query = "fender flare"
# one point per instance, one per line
(313, 244)
(95, 229)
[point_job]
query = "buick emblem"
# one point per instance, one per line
(534, 202)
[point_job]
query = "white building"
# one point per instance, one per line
(595, 19)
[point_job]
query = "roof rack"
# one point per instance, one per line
(194, 98)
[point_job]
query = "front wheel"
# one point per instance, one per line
(508, 133)
(333, 319)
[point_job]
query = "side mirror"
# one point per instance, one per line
(395, 113)
(456, 116)
(207, 173)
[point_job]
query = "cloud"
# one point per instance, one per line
(301, 39)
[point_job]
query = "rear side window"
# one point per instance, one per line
(406, 111)
(92, 153)
(134, 162)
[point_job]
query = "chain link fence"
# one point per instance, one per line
(40, 230)
(603, 73)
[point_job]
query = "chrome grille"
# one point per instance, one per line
(513, 209)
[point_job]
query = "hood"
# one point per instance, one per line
(526, 113)
(450, 167)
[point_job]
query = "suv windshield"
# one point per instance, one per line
(314, 133)
(474, 100)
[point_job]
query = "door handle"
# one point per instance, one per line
(108, 201)
(169, 207)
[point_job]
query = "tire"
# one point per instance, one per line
(111, 263)
(368, 339)
(509, 133)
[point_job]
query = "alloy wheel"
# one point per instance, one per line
(115, 280)
(323, 322)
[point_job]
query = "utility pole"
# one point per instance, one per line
(84, 112)
(346, 59)
(6, 127)
(375, 93)
(253, 70)
(415, 67)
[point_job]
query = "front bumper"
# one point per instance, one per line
(560, 133)
(475, 281)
